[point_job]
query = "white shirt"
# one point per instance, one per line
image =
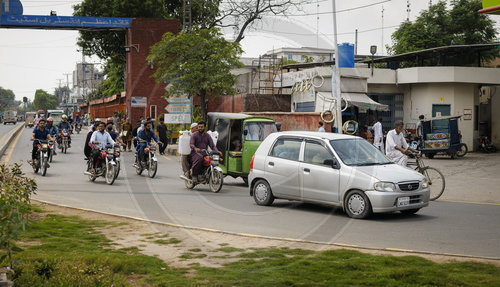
(321, 129)
(102, 138)
(378, 134)
(393, 140)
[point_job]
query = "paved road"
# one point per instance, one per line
(443, 227)
(4, 129)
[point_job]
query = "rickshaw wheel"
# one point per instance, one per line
(430, 155)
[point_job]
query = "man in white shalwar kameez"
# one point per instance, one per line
(396, 148)
(378, 137)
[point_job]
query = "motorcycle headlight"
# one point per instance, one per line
(384, 186)
(44, 146)
(215, 157)
(425, 183)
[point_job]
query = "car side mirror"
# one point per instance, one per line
(333, 163)
(245, 132)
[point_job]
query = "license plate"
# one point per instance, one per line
(403, 201)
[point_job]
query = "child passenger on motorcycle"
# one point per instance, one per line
(100, 139)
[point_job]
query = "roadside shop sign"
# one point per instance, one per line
(177, 118)
(139, 102)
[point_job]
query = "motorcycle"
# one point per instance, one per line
(149, 160)
(116, 159)
(485, 145)
(64, 140)
(78, 127)
(42, 157)
(51, 149)
(105, 167)
(211, 173)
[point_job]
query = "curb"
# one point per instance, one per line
(9, 137)
(340, 245)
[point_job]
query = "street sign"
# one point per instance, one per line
(184, 108)
(174, 99)
(139, 102)
(177, 118)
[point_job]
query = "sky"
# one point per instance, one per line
(40, 59)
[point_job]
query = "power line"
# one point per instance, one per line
(331, 12)
(344, 33)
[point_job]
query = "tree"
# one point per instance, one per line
(62, 93)
(438, 26)
(197, 63)
(44, 100)
(242, 14)
(7, 99)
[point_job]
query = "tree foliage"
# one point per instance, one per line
(439, 26)
(44, 100)
(7, 99)
(15, 192)
(197, 63)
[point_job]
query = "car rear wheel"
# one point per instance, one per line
(357, 205)
(262, 193)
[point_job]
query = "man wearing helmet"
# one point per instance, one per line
(65, 125)
(52, 131)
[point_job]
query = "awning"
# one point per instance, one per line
(359, 100)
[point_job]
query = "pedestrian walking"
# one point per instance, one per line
(378, 138)
(126, 134)
(161, 129)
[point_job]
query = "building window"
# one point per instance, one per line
(290, 56)
(152, 111)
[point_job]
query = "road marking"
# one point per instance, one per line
(12, 147)
(165, 157)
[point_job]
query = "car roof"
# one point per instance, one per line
(323, 135)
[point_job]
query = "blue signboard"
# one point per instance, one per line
(11, 17)
(30, 21)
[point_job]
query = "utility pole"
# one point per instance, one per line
(317, 23)
(382, 50)
(186, 16)
(356, 42)
(408, 10)
(67, 79)
(336, 76)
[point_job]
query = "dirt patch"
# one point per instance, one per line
(183, 247)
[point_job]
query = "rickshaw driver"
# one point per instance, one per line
(200, 140)
(396, 148)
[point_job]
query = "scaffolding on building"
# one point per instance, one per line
(268, 77)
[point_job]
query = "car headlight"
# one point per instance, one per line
(425, 183)
(384, 186)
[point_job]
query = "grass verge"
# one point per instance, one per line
(67, 251)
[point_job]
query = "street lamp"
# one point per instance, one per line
(373, 50)
(135, 46)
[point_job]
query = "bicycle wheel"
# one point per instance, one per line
(436, 182)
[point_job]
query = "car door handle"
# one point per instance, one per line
(307, 170)
(271, 163)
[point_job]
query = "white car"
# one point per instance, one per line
(334, 169)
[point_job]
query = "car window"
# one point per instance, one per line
(316, 153)
(358, 152)
(287, 149)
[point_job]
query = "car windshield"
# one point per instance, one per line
(358, 152)
(258, 131)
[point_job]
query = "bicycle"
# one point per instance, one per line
(433, 175)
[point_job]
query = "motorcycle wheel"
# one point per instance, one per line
(50, 158)
(463, 150)
(216, 180)
(138, 170)
(65, 148)
(110, 174)
(117, 169)
(153, 166)
(36, 167)
(44, 166)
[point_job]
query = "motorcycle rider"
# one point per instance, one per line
(53, 132)
(39, 133)
(100, 139)
(144, 137)
(65, 125)
(200, 140)
(87, 149)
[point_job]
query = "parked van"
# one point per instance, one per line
(9, 117)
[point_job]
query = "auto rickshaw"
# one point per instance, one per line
(239, 136)
(441, 135)
(30, 119)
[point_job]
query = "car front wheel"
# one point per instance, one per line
(357, 205)
(262, 193)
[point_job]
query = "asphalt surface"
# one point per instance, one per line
(4, 129)
(443, 227)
